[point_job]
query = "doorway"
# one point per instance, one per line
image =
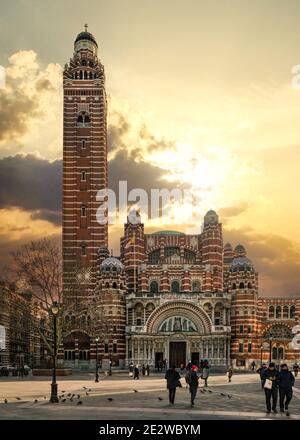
(177, 353)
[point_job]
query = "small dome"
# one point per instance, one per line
(228, 247)
(111, 264)
(240, 250)
(86, 36)
(211, 218)
(241, 263)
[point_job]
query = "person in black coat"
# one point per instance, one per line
(286, 383)
(173, 381)
(260, 371)
(271, 374)
(193, 383)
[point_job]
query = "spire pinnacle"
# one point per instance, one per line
(86, 27)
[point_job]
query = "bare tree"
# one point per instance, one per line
(37, 267)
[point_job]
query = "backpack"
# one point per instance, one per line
(188, 377)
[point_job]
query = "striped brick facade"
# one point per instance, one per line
(84, 160)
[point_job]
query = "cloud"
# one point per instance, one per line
(276, 258)
(232, 211)
(32, 184)
(31, 98)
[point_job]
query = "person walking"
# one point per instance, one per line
(205, 373)
(296, 369)
(271, 379)
(260, 371)
(286, 383)
(143, 370)
(136, 372)
(147, 370)
(253, 365)
(193, 383)
(230, 373)
(173, 381)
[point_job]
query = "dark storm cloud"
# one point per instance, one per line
(32, 184)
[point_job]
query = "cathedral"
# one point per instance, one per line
(169, 295)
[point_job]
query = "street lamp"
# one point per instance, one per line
(54, 310)
(97, 375)
(261, 354)
(270, 354)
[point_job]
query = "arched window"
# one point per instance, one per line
(154, 287)
(241, 285)
(249, 286)
(114, 285)
(85, 75)
(83, 119)
(271, 312)
(285, 312)
(175, 287)
(83, 211)
(83, 250)
(196, 287)
(278, 331)
(81, 75)
(292, 312)
(107, 285)
(83, 175)
(154, 257)
(149, 309)
(83, 62)
(233, 286)
(278, 312)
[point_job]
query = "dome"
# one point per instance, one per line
(211, 217)
(241, 263)
(228, 247)
(240, 250)
(86, 36)
(111, 264)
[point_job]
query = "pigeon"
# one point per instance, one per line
(222, 394)
(45, 397)
(62, 391)
(160, 398)
(136, 391)
(202, 391)
(73, 395)
(5, 401)
(64, 400)
(229, 396)
(36, 401)
(209, 391)
(69, 395)
(84, 388)
(79, 403)
(78, 396)
(62, 395)
(87, 394)
(110, 399)
(18, 398)
(90, 390)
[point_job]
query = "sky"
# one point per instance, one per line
(201, 96)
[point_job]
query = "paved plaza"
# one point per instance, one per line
(120, 397)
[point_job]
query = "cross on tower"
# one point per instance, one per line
(86, 27)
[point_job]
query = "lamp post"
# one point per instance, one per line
(97, 375)
(54, 311)
(270, 354)
(261, 354)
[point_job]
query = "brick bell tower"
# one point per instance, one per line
(84, 162)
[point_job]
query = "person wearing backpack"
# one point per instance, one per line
(193, 383)
(286, 383)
